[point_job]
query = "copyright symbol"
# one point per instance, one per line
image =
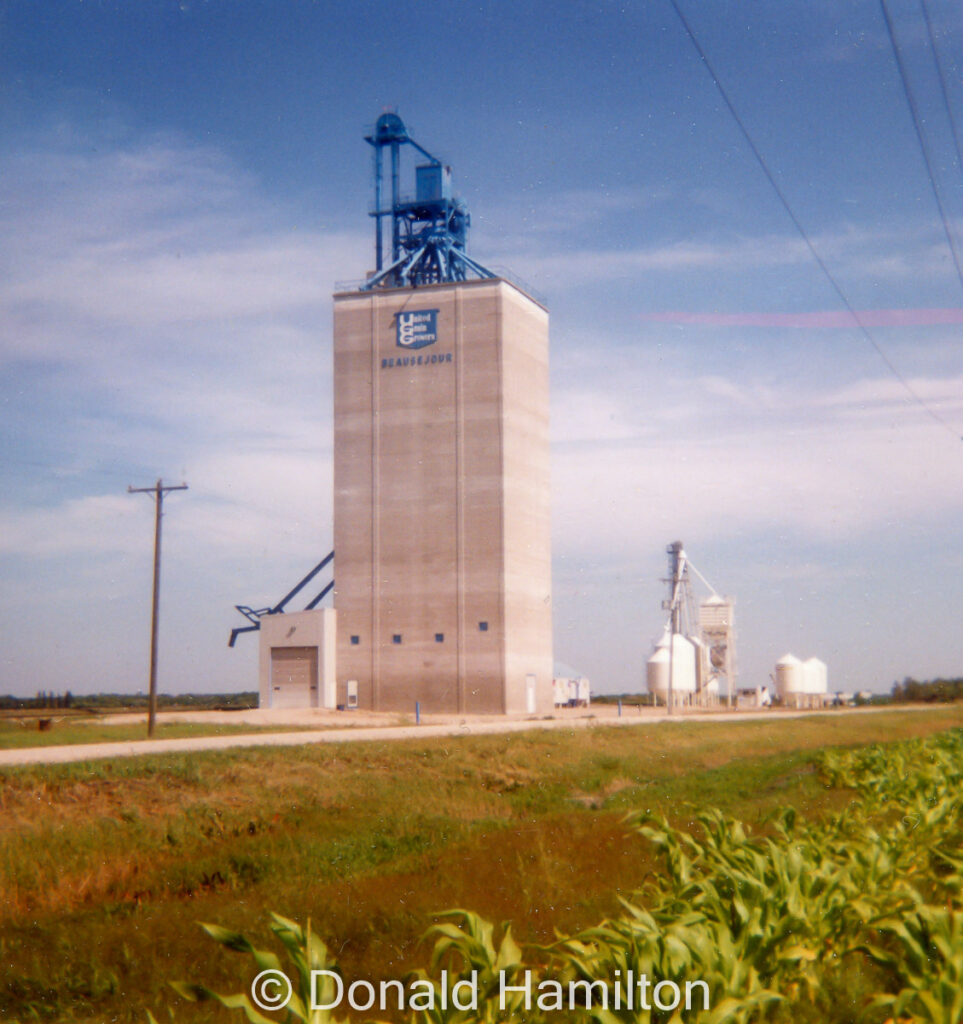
(271, 990)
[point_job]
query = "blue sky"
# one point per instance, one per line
(181, 185)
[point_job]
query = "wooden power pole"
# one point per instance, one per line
(158, 491)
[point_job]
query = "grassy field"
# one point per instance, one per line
(106, 867)
(19, 732)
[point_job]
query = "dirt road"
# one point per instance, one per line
(333, 727)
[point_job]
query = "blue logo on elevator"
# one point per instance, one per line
(416, 328)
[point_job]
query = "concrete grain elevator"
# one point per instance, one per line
(441, 467)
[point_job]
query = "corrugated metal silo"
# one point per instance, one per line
(815, 679)
(683, 658)
(790, 679)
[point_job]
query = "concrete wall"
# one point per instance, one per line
(442, 498)
(318, 629)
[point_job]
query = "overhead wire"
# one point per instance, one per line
(837, 288)
(921, 137)
(943, 89)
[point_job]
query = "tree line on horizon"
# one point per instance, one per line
(45, 699)
(932, 691)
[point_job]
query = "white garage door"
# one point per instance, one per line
(294, 677)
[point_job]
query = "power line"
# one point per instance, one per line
(910, 390)
(920, 137)
(943, 89)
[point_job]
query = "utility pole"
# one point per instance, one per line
(158, 491)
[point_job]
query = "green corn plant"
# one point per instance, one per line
(464, 945)
(772, 898)
(674, 949)
(925, 953)
(305, 953)
(923, 767)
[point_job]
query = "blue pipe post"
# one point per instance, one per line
(620, 707)
(417, 712)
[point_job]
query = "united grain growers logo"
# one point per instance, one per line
(416, 328)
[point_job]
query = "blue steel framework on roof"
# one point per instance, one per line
(429, 231)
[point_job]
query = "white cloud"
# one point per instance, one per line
(94, 525)
(261, 498)
(885, 396)
(252, 277)
(889, 254)
(730, 458)
(162, 241)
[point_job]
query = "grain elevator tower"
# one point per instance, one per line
(441, 465)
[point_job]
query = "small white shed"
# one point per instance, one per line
(296, 663)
